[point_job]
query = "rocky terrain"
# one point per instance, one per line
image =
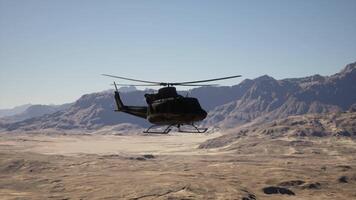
(36, 166)
(331, 125)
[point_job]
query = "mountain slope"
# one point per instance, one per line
(90, 111)
(300, 126)
(13, 111)
(268, 99)
(210, 97)
(35, 111)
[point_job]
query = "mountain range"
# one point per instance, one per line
(33, 111)
(267, 99)
(13, 111)
(257, 100)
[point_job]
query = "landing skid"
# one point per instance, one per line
(169, 128)
(165, 131)
(196, 129)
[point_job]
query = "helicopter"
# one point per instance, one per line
(166, 107)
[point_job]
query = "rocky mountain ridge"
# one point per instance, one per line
(268, 99)
(253, 100)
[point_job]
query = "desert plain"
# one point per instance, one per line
(173, 166)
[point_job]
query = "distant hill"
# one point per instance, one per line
(91, 111)
(35, 111)
(13, 111)
(127, 89)
(259, 100)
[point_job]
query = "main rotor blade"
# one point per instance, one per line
(131, 79)
(208, 80)
(136, 84)
(207, 85)
(188, 83)
(202, 85)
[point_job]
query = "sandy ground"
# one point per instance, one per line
(171, 167)
(107, 144)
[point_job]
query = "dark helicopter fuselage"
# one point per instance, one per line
(175, 110)
(165, 108)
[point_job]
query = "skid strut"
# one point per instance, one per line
(169, 128)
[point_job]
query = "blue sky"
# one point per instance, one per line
(54, 51)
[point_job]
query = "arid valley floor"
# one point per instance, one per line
(173, 167)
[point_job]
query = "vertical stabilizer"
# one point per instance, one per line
(119, 104)
(118, 101)
(139, 111)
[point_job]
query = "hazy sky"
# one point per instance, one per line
(54, 51)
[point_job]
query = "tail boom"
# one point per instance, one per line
(139, 111)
